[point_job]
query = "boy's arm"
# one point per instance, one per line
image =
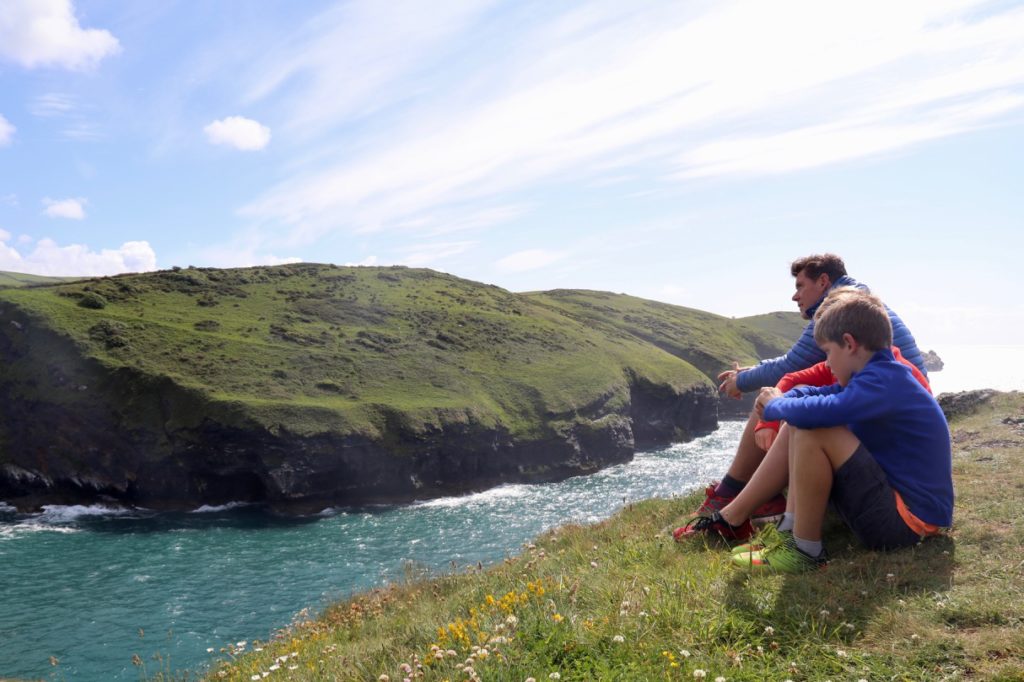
(814, 408)
(816, 375)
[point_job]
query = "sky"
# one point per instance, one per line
(680, 151)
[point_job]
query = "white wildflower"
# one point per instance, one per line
(699, 674)
(684, 653)
(769, 630)
(555, 676)
(618, 639)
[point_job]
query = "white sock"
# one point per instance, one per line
(811, 548)
(787, 522)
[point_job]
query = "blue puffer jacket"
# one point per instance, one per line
(805, 351)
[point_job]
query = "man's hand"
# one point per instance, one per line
(765, 437)
(728, 379)
(767, 394)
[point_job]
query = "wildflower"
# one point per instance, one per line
(512, 620)
(914, 637)
(293, 667)
(684, 653)
(593, 564)
(530, 679)
(618, 639)
(642, 614)
(405, 668)
(841, 653)
(254, 677)
(437, 656)
(719, 679)
(890, 577)
(555, 676)
(824, 613)
(136, 660)
(383, 678)
(769, 630)
(276, 666)
(699, 674)
(557, 618)
(450, 652)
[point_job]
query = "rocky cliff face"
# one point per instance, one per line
(75, 431)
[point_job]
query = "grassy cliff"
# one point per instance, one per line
(331, 344)
(185, 363)
(620, 600)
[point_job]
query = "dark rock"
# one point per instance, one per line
(964, 403)
(932, 362)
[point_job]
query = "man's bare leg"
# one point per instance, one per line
(767, 481)
(748, 455)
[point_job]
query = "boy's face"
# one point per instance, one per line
(844, 359)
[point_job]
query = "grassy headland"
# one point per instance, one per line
(212, 379)
(620, 600)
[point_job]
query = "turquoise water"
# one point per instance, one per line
(92, 587)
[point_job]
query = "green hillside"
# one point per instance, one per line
(340, 341)
(180, 366)
(10, 280)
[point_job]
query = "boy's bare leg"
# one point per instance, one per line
(814, 454)
(768, 480)
(748, 455)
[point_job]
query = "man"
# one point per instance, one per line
(814, 277)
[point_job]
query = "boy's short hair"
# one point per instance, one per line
(849, 310)
(816, 265)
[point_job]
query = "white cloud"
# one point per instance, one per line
(50, 258)
(238, 132)
(53, 105)
(532, 259)
(430, 254)
(9, 199)
(664, 88)
(6, 131)
(350, 60)
(37, 33)
(4, 235)
(25, 239)
(368, 261)
(73, 209)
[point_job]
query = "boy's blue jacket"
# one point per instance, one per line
(805, 351)
(896, 419)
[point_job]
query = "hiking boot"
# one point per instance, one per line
(769, 512)
(784, 557)
(768, 536)
(713, 525)
(713, 502)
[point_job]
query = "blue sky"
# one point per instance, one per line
(684, 152)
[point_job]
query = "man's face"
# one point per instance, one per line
(809, 291)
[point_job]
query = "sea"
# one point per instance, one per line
(83, 590)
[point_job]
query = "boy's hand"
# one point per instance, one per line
(767, 394)
(728, 379)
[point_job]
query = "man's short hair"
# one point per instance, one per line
(814, 266)
(849, 310)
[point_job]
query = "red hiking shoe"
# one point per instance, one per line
(713, 525)
(769, 512)
(712, 501)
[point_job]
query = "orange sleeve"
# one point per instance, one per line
(913, 369)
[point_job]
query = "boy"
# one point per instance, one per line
(876, 444)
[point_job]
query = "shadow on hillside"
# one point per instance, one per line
(853, 586)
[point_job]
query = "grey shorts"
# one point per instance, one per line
(862, 496)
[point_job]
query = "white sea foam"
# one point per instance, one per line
(15, 530)
(54, 513)
(4, 507)
(213, 508)
(485, 497)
